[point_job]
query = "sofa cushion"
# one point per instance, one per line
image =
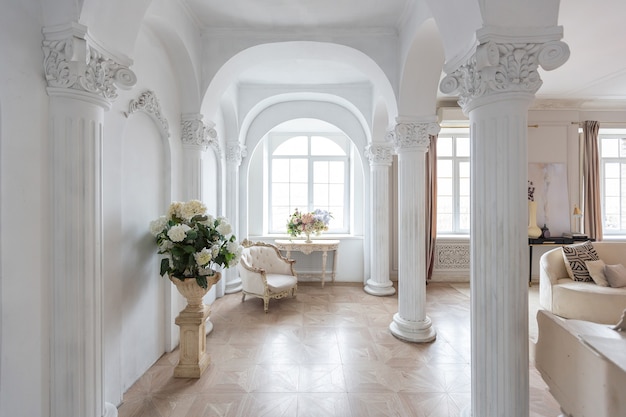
(588, 301)
(596, 271)
(575, 257)
(615, 275)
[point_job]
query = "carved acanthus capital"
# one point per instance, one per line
(503, 67)
(235, 152)
(195, 133)
(73, 63)
(148, 103)
(379, 153)
(414, 135)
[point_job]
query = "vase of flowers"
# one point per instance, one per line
(194, 243)
(315, 222)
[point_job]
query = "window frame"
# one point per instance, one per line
(608, 133)
(275, 139)
(454, 134)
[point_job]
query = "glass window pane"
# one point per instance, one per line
(612, 170)
(336, 171)
(337, 221)
(444, 187)
(444, 168)
(444, 223)
(298, 145)
(464, 205)
(280, 194)
(611, 187)
(299, 195)
(336, 194)
(280, 169)
(464, 169)
(444, 146)
(622, 147)
(320, 195)
(444, 205)
(464, 221)
(462, 147)
(323, 146)
(320, 172)
(280, 215)
(464, 187)
(610, 148)
(299, 170)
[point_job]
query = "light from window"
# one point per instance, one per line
(613, 181)
(308, 172)
(453, 183)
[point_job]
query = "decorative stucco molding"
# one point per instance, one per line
(148, 103)
(409, 135)
(379, 153)
(74, 63)
(235, 152)
(503, 67)
(198, 134)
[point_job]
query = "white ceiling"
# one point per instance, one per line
(594, 30)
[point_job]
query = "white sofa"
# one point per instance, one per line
(583, 364)
(567, 298)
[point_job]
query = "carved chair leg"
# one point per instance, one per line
(266, 304)
(243, 297)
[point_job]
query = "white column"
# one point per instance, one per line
(496, 88)
(82, 81)
(411, 141)
(380, 157)
(235, 152)
(196, 138)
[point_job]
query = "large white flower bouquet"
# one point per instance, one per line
(195, 243)
(308, 223)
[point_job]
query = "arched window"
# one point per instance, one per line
(308, 171)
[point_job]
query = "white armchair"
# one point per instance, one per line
(265, 273)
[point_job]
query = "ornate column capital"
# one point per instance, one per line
(504, 64)
(235, 152)
(413, 135)
(379, 154)
(196, 134)
(74, 63)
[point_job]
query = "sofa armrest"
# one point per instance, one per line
(551, 269)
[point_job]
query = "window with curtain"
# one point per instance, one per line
(453, 182)
(612, 143)
(308, 171)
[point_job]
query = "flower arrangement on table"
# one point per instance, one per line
(308, 223)
(195, 243)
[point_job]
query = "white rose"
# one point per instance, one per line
(157, 226)
(192, 208)
(224, 229)
(178, 233)
(203, 257)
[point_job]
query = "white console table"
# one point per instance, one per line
(321, 245)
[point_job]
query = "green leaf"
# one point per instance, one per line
(165, 266)
(201, 280)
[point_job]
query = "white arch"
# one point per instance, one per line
(228, 74)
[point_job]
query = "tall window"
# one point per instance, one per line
(613, 180)
(308, 172)
(453, 182)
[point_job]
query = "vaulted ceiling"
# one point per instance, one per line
(593, 77)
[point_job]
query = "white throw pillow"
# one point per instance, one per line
(615, 275)
(596, 270)
(575, 257)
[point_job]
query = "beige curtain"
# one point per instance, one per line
(592, 210)
(431, 205)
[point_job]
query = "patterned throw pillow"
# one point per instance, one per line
(575, 257)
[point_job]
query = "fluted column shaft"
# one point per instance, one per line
(82, 82)
(411, 141)
(380, 158)
(496, 88)
(235, 152)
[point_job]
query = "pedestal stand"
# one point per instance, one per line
(194, 358)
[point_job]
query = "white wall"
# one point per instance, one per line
(24, 314)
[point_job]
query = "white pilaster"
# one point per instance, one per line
(196, 138)
(235, 152)
(81, 82)
(411, 141)
(380, 158)
(496, 89)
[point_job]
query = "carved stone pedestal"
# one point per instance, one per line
(194, 358)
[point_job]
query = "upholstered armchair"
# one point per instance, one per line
(265, 273)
